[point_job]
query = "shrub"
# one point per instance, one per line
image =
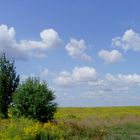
(34, 99)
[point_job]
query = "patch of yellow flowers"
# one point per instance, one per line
(48, 125)
(33, 130)
(22, 128)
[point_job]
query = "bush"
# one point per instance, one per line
(34, 99)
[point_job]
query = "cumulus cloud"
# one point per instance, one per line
(119, 85)
(85, 83)
(124, 80)
(78, 75)
(8, 43)
(7, 35)
(64, 79)
(129, 40)
(87, 80)
(49, 38)
(109, 57)
(89, 77)
(84, 74)
(76, 49)
(113, 86)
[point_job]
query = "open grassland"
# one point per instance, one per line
(102, 123)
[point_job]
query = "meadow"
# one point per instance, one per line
(101, 123)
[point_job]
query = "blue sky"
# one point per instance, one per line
(88, 51)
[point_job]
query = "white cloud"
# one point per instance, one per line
(64, 79)
(7, 35)
(76, 49)
(129, 40)
(84, 74)
(8, 43)
(115, 86)
(84, 83)
(77, 76)
(88, 77)
(109, 57)
(49, 38)
(124, 80)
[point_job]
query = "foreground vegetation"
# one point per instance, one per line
(105, 123)
(32, 98)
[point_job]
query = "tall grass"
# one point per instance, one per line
(114, 123)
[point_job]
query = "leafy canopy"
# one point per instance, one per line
(8, 84)
(33, 99)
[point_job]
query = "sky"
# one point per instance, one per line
(88, 51)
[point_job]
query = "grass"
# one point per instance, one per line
(109, 123)
(101, 123)
(100, 112)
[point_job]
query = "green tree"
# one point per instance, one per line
(33, 99)
(8, 84)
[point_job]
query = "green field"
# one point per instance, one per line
(101, 123)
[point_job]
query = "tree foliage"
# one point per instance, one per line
(34, 99)
(8, 84)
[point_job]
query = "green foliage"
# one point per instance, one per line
(34, 99)
(77, 128)
(19, 129)
(8, 84)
